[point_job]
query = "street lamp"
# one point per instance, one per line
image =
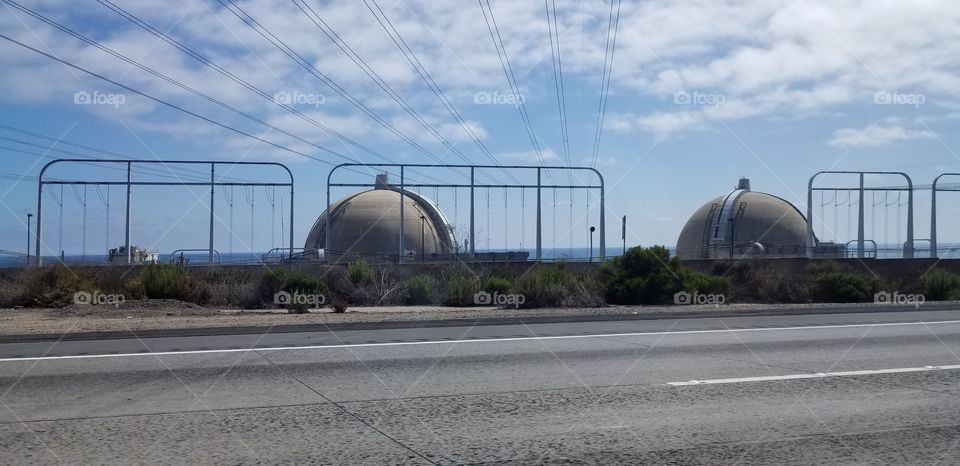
(592, 229)
(422, 223)
(29, 216)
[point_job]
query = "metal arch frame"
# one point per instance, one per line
(861, 252)
(933, 212)
(539, 186)
(130, 183)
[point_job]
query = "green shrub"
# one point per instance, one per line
(498, 285)
(543, 287)
(940, 285)
(703, 283)
(421, 289)
(359, 272)
(163, 281)
(461, 289)
(642, 276)
(842, 287)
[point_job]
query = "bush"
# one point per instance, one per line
(642, 276)
(498, 285)
(162, 281)
(338, 306)
(461, 289)
(543, 288)
(940, 285)
(842, 287)
(421, 289)
(703, 283)
(359, 272)
(50, 286)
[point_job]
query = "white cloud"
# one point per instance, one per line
(875, 135)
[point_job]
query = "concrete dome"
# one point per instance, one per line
(744, 224)
(367, 224)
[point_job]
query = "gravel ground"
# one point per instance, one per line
(169, 314)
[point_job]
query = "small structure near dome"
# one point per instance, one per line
(744, 224)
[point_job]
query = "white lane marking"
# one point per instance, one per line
(818, 375)
(477, 340)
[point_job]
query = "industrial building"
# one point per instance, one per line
(367, 224)
(744, 224)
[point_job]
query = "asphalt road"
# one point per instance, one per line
(814, 389)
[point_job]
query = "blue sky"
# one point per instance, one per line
(701, 93)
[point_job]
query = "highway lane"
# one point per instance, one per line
(586, 392)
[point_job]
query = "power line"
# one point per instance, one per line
(372, 74)
(200, 58)
(614, 25)
(167, 104)
(309, 67)
(168, 79)
(554, 33)
(511, 78)
(169, 170)
(425, 76)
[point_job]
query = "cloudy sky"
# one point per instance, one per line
(700, 94)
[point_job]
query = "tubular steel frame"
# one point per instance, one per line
(933, 211)
(861, 240)
(130, 183)
(539, 187)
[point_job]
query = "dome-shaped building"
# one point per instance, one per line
(744, 223)
(367, 224)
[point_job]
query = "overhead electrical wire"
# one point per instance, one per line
(425, 76)
(511, 78)
(553, 31)
(205, 61)
(613, 25)
(310, 68)
(167, 104)
(334, 37)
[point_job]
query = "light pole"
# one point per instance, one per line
(623, 234)
(592, 229)
(29, 216)
(422, 223)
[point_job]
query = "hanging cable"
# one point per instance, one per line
(523, 217)
(506, 246)
(570, 231)
(511, 78)
(611, 46)
(250, 194)
(271, 193)
(105, 199)
(553, 247)
(59, 202)
(488, 219)
(82, 198)
(228, 195)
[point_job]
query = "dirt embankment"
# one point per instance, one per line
(140, 315)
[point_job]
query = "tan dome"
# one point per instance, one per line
(367, 225)
(744, 224)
